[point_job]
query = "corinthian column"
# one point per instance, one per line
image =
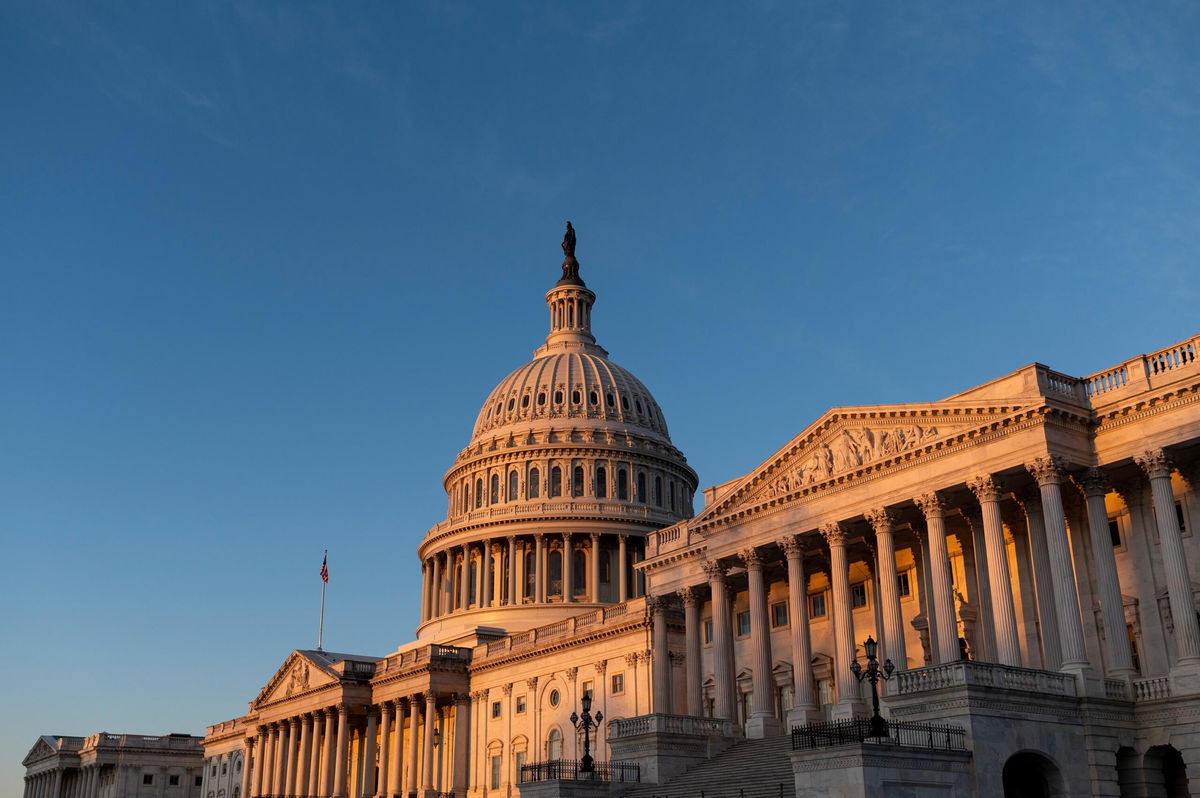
(513, 591)
(539, 569)
(248, 764)
(414, 750)
(622, 568)
(662, 659)
(804, 704)
(1179, 584)
(260, 763)
(691, 626)
(843, 620)
(594, 576)
(314, 755)
(385, 748)
(327, 758)
(368, 786)
(282, 758)
(396, 755)
(485, 565)
(302, 756)
(945, 629)
(464, 580)
(724, 705)
(1004, 614)
(1118, 657)
(342, 752)
(883, 522)
(762, 721)
(568, 570)
(427, 759)
(435, 592)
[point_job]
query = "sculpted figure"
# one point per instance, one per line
(568, 243)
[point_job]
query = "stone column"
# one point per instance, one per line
(294, 750)
(1004, 615)
(314, 755)
(385, 748)
(622, 567)
(464, 579)
(1047, 612)
(691, 626)
(725, 704)
(944, 632)
(341, 753)
(414, 751)
(848, 702)
(282, 757)
(303, 761)
(56, 786)
(259, 762)
(804, 705)
(486, 561)
(435, 604)
(568, 572)
(883, 522)
(1048, 471)
(462, 714)
(1118, 656)
(395, 779)
(978, 586)
(762, 721)
(539, 569)
(247, 764)
(424, 591)
(368, 785)
(1179, 584)
(427, 757)
(514, 591)
(594, 576)
(327, 758)
(662, 659)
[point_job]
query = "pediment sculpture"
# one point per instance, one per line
(297, 681)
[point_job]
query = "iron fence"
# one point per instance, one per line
(569, 769)
(944, 737)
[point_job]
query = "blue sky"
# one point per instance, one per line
(261, 263)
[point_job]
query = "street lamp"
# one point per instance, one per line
(586, 722)
(873, 673)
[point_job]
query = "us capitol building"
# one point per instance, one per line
(1022, 552)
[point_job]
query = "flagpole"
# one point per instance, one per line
(321, 626)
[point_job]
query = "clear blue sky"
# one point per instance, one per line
(261, 263)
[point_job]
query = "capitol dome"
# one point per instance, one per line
(569, 467)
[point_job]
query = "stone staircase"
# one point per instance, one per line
(749, 769)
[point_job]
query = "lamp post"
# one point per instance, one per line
(586, 722)
(873, 673)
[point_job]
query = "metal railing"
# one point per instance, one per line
(568, 770)
(938, 736)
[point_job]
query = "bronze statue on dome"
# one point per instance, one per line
(570, 266)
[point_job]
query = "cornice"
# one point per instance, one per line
(635, 622)
(636, 525)
(1146, 407)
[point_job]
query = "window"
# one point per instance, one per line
(743, 624)
(658, 499)
(587, 689)
(214, 769)
(1114, 532)
(495, 709)
(617, 684)
(520, 761)
(555, 482)
(512, 486)
(708, 630)
(478, 493)
(1180, 518)
(520, 705)
(903, 585)
(199, 781)
(608, 398)
(858, 595)
(554, 572)
(224, 768)
(779, 614)
(606, 567)
(578, 572)
(534, 483)
(239, 766)
(641, 487)
(147, 778)
(576, 398)
(554, 698)
(601, 483)
(622, 484)
(511, 402)
(817, 605)
(625, 402)
(638, 402)
(554, 745)
(495, 494)
(495, 771)
(577, 481)
(558, 397)
(710, 707)
(671, 493)
(541, 400)
(785, 699)
(174, 780)
(593, 398)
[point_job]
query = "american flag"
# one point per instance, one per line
(325, 567)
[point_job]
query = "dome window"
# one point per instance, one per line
(641, 487)
(541, 398)
(511, 404)
(577, 481)
(497, 408)
(624, 403)
(525, 401)
(512, 486)
(671, 493)
(576, 398)
(601, 483)
(494, 496)
(622, 484)
(555, 482)
(594, 398)
(558, 397)
(639, 405)
(658, 497)
(478, 493)
(607, 398)
(535, 489)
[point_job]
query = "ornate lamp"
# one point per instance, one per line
(586, 722)
(873, 673)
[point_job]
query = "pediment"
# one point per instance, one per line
(298, 674)
(847, 441)
(41, 750)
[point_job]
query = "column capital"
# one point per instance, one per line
(834, 533)
(506, 688)
(690, 596)
(790, 546)
(931, 505)
(1092, 482)
(531, 682)
(986, 488)
(881, 519)
(658, 605)
(751, 558)
(600, 666)
(1155, 463)
(713, 569)
(385, 708)
(1048, 470)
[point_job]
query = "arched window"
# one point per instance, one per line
(601, 483)
(554, 745)
(554, 573)
(671, 493)
(577, 481)
(495, 494)
(529, 591)
(472, 582)
(658, 492)
(579, 584)
(535, 485)
(478, 493)
(622, 484)
(641, 487)
(512, 486)
(555, 482)
(606, 566)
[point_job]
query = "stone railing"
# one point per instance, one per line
(1144, 371)
(420, 656)
(1116, 688)
(226, 728)
(175, 742)
(565, 629)
(1149, 689)
(984, 674)
(669, 724)
(672, 538)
